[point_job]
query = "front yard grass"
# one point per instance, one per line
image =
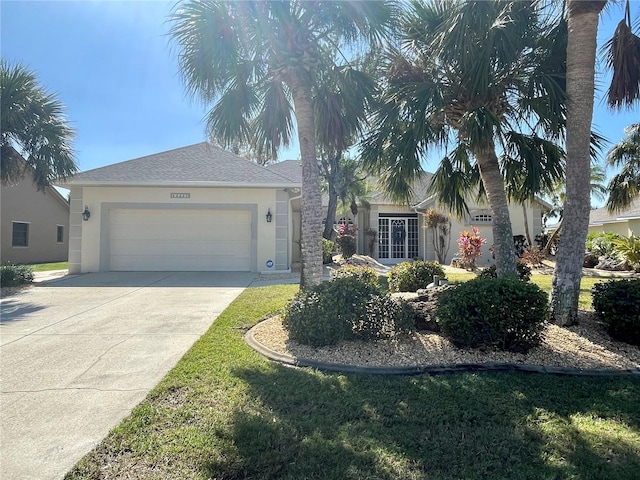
(225, 412)
(45, 267)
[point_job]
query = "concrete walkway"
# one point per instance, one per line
(78, 353)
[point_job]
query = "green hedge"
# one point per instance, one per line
(12, 275)
(617, 303)
(412, 276)
(488, 312)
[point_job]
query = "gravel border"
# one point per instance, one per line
(417, 369)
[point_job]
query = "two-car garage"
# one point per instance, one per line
(179, 240)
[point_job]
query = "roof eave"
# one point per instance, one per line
(102, 183)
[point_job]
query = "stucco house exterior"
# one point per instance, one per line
(203, 208)
(626, 222)
(34, 224)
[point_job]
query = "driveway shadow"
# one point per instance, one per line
(13, 309)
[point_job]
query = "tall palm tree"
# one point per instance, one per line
(258, 61)
(624, 187)
(582, 17)
(471, 75)
(34, 133)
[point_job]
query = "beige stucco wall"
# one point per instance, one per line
(619, 228)
(92, 240)
(43, 211)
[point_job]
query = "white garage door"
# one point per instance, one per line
(180, 240)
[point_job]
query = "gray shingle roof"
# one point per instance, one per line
(202, 163)
(601, 215)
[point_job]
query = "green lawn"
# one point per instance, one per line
(225, 412)
(45, 267)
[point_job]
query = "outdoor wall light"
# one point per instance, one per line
(269, 215)
(86, 214)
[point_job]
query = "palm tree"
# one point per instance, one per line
(624, 187)
(471, 74)
(582, 17)
(258, 61)
(33, 130)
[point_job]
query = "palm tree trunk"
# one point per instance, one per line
(331, 174)
(581, 57)
(527, 235)
(502, 231)
(311, 206)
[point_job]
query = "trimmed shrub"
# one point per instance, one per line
(617, 303)
(494, 313)
(327, 250)
(15, 275)
(362, 273)
(412, 276)
(326, 314)
(385, 318)
(524, 272)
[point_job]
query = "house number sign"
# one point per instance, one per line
(180, 195)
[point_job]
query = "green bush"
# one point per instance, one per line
(617, 303)
(524, 272)
(629, 249)
(14, 275)
(412, 276)
(347, 245)
(362, 273)
(601, 244)
(327, 250)
(326, 314)
(385, 318)
(491, 312)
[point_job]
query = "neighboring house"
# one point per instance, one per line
(34, 224)
(203, 208)
(625, 222)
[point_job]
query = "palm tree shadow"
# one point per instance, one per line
(461, 426)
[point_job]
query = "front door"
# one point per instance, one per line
(397, 238)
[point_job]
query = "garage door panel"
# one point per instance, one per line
(169, 240)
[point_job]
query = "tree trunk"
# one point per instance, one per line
(502, 231)
(331, 176)
(311, 206)
(581, 56)
(527, 235)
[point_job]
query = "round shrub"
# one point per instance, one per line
(524, 272)
(326, 314)
(15, 275)
(412, 276)
(617, 303)
(385, 318)
(488, 312)
(362, 273)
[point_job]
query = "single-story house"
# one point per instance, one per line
(625, 222)
(203, 208)
(34, 224)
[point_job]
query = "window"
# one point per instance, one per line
(481, 217)
(60, 234)
(20, 234)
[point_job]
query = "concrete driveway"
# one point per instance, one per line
(77, 354)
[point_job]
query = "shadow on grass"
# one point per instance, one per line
(306, 424)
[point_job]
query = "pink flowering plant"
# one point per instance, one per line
(470, 247)
(346, 229)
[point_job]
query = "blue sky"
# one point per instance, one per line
(112, 64)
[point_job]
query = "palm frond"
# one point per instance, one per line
(623, 58)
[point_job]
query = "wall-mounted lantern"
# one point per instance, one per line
(86, 214)
(269, 215)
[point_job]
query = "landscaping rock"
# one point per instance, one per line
(424, 303)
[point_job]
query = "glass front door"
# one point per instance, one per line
(397, 238)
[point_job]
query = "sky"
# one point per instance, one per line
(114, 67)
